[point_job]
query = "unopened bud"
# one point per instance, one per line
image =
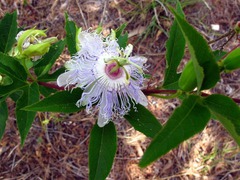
(37, 49)
(30, 43)
(28, 37)
(237, 27)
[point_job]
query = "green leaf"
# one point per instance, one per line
(15, 86)
(25, 118)
(8, 32)
(53, 76)
(63, 101)
(5, 80)
(71, 31)
(12, 67)
(227, 111)
(120, 30)
(144, 121)
(175, 50)
(122, 40)
(206, 68)
(47, 61)
(16, 95)
(46, 91)
(187, 120)
(218, 54)
(102, 150)
(3, 117)
(232, 60)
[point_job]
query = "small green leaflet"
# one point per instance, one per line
(143, 120)
(71, 31)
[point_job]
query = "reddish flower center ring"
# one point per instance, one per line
(113, 70)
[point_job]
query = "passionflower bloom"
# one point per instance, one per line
(111, 79)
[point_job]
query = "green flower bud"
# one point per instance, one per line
(188, 81)
(237, 27)
(37, 49)
(232, 61)
(30, 43)
(28, 37)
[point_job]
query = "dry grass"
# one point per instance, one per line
(58, 149)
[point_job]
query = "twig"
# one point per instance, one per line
(221, 37)
(104, 10)
(81, 12)
(50, 85)
(147, 92)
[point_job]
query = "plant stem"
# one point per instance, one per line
(147, 92)
(27, 70)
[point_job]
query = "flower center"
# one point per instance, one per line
(113, 70)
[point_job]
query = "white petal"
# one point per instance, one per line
(142, 99)
(112, 47)
(71, 65)
(102, 121)
(62, 80)
(128, 50)
(91, 43)
(139, 60)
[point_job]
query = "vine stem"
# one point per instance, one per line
(147, 92)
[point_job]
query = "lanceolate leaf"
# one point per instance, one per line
(25, 118)
(49, 59)
(120, 30)
(227, 111)
(46, 91)
(122, 40)
(15, 86)
(232, 61)
(187, 120)
(144, 121)
(205, 66)
(175, 50)
(218, 54)
(3, 117)
(102, 150)
(53, 76)
(8, 32)
(12, 67)
(63, 101)
(71, 30)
